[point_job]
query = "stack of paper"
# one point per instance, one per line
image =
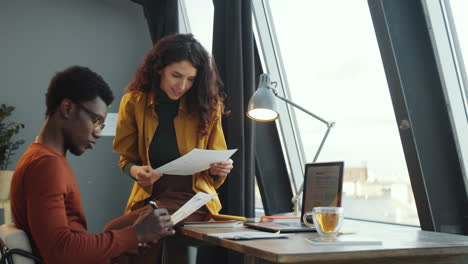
(247, 235)
(281, 218)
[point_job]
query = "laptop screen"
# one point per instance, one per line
(323, 183)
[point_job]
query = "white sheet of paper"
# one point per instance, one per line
(191, 206)
(345, 240)
(195, 161)
(111, 125)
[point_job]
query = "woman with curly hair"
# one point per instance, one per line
(172, 106)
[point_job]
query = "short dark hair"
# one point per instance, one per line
(79, 84)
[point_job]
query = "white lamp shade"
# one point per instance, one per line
(262, 105)
(262, 115)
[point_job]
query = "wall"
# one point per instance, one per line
(39, 38)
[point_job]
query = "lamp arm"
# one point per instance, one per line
(329, 124)
(296, 198)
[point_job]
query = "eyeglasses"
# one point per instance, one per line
(98, 120)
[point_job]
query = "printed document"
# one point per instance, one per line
(191, 206)
(195, 161)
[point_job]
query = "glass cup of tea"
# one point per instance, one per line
(327, 221)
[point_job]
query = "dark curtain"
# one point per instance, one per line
(162, 17)
(233, 51)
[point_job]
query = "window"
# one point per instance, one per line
(461, 24)
(200, 20)
(334, 69)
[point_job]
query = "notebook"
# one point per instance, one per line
(323, 183)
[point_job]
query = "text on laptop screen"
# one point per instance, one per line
(322, 185)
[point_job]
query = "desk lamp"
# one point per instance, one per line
(262, 107)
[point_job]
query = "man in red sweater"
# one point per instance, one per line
(45, 198)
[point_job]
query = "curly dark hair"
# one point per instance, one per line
(79, 84)
(204, 96)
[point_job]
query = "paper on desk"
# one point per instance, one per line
(195, 161)
(247, 235)
(344, 240)
(191, 206)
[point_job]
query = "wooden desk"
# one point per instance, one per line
(400, 245)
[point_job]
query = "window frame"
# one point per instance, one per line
(453, 74)
(184, 22)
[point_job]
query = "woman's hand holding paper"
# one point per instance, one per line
(222, 168)
(144, 175)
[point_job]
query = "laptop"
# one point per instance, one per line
(323, 183)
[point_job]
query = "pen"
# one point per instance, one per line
(153, 204)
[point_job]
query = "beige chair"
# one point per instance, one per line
(5, 182)
(15, 246)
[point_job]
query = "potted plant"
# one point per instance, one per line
(7, 147)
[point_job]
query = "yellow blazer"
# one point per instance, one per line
(136, 126)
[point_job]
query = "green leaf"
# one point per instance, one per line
(8, 130)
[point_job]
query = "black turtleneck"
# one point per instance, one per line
(163, 147)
